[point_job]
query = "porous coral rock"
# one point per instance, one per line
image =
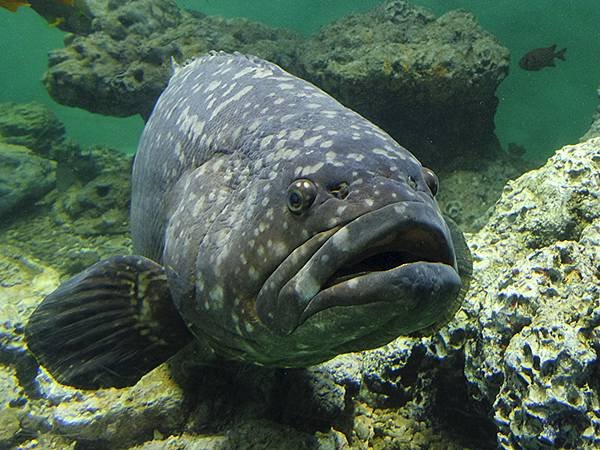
(31, 125)
(535, 304)
(24, 178)
(122, 64)
(430, 82)
(99, 204)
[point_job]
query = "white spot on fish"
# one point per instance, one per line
(308, 170)
(297, 134)
(243, 72)
(310, 141)
(383, 152)
(262, 73)
(252, 273)
(238, 95)
(266, 141)
(212, 86)
(341, 239)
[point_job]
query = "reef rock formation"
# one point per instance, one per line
(24, 177)
(31, 125)
(121, 62)
(532, 319)
(99, 203)
(594, 130)
(428, 81)
(517, 367)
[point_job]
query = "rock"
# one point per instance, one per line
(185, 442)
(122, 64)
(76, 16)
(467, 194)
(594, 130)
(31, 125)
(24, 178)
(430, 82)
(23, 282)
(104, 418)
(100, 205)
(531, 318)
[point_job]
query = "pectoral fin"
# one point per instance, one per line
(107, 326)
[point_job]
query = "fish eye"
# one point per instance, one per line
(301, 194)
(431, 179)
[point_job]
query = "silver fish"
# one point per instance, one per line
(270, 225)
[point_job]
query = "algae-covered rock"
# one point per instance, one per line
(31, 125)
(122, 64)
(100, 205)
(428, 81)
(23, 282)
(594, 130)
(24, 177)
(534, 307)
(467, 194)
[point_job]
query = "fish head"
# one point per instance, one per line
(340, 250)
(368, 233)
(334, 246)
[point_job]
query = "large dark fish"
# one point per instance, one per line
(539, 58)
(276, 226)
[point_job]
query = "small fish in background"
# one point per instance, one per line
(539, 58)
(13, 5)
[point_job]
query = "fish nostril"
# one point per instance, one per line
(412, 182)
(340, 190)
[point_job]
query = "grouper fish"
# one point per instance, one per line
(270, 225)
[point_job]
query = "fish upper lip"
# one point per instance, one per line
(398, 248)
(379, 241)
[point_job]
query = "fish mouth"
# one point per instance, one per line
(401, 253)
(394, 250)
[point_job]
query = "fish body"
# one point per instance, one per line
(283, 227)
(539, 58)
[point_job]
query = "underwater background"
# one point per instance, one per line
(540, 111)
(517, 366)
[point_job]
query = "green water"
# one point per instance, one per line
(540, 110)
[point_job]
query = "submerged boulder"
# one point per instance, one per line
(594, 130)
(24, 178)
(534, 308)
(430, 82)
(31, 125)
(120, 66)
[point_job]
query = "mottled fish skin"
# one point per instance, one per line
(226, 139)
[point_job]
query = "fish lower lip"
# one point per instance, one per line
(432, 286)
